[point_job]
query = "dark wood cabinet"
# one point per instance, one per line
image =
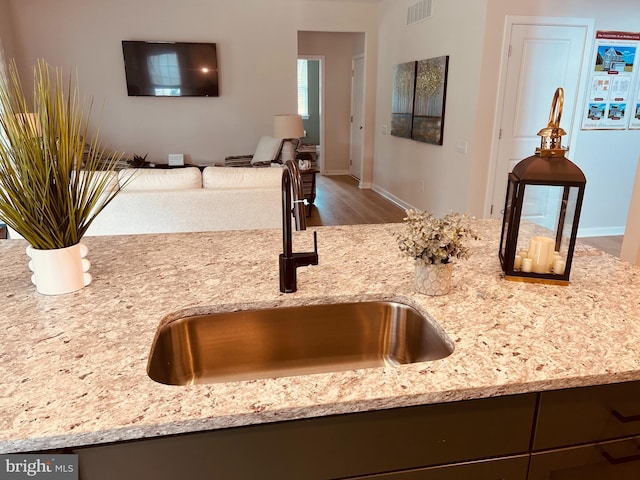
(340, 446)
(509, 468)
(580, 433)
(587, 415)
(588, 433)
(615, 460)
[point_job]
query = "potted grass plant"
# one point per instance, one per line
(433, 242)
(54, 177)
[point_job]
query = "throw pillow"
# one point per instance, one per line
(267, 150)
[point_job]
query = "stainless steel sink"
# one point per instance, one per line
(289, 341)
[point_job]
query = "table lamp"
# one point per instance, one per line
(288, 127)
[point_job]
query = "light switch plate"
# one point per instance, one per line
(461, 146)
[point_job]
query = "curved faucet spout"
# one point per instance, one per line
(291, 174)
(289, 261)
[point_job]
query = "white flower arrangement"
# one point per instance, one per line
(432, 240)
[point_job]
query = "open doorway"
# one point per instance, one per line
(336, 51)
(310, 96)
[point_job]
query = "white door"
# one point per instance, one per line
(541, 59)
(357, 117)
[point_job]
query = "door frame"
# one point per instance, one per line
(321, 94)
(354, 58)
(510, 20)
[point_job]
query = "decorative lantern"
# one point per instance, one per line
(542, 210)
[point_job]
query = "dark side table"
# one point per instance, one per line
(309, 186)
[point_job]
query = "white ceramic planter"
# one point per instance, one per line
(433, 279)
(59, 271)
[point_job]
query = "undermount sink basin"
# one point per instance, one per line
(277, 342)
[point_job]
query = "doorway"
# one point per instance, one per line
(310, 101)
(357, 117)
(540, 55)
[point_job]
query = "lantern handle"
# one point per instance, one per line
(556, 108)
(552, 134)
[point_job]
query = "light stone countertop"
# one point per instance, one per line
(73, 367)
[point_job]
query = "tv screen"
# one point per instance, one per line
(170, 69)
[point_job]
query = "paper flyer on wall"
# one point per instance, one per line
(634, 117)
(613, 100)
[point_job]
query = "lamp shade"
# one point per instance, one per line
(288, 126)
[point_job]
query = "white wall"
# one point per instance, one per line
(257, 51)
(6, 30)
(402, 166)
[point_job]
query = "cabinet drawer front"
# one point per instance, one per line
(587, 415)
(511, 468)
(619, 460)
(330, 447)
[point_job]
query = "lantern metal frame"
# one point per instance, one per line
(548, 167)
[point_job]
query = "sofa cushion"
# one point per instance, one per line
(221, 178)
(136, 179)
(267, 150)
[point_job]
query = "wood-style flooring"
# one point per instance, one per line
(339, 201)
(612, 245)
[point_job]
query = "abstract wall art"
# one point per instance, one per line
(404, 78)
(429, 104)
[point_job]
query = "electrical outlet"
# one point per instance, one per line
(422, 186)
(385, 129)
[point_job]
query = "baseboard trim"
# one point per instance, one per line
(336, 172)
(600, 232)
(392, 198)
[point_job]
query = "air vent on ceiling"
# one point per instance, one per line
(418, 11)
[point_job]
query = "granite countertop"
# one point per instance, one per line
(73, 367)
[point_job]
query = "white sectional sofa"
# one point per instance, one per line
(188, 200)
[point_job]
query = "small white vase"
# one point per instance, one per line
(433, 279)
(61, 270)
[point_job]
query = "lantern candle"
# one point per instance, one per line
(541, 252)
(517, 262)
(558, 266)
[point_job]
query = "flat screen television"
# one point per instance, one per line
(170, 69)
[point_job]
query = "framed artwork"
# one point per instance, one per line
(404, 77)
(430, 94)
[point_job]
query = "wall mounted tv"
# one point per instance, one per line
(170, 69)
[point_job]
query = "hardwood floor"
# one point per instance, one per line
(339, 201)
(612, 245)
